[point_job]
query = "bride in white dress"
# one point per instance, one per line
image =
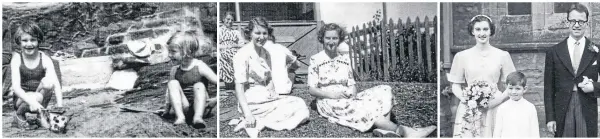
(480, 62)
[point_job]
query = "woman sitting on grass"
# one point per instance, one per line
(260, 71)
(185, 80)
(331, 81)
(33, 76)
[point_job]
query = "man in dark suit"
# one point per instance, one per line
(570, 102)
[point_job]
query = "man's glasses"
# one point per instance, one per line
(580, 22)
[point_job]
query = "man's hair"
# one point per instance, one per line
(516, 78)
(579, 8)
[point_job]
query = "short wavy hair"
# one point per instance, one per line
(258, 21)
(229, 13)
(481, 18)
(579, 8)
(329, 27)
(31, 28)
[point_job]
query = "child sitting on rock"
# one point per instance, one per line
(185, 80)
(33, 76)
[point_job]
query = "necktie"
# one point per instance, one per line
(576, 57)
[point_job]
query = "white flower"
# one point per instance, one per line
(472, 104)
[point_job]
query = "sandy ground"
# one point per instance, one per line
(98, 114)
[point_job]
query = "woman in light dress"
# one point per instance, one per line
(331, 81)
(480, 62)
(260, 79)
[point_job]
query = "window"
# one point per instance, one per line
(563, 7)
(515, 8)
(272, 11)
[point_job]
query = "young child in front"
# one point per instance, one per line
(34, 79)
(185, 79)
(516, 117)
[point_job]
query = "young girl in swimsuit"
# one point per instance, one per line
(185, 81)
(33, 76)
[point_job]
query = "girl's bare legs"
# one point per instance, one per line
(42, 95)
(200, 95)
(45, 88)
(177, 100)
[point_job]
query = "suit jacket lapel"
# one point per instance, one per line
(563, 55)
(587, 58)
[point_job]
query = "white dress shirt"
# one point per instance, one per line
(571, 44)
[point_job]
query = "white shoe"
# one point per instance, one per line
(418, 132)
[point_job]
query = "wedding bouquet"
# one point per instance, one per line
(477, 96)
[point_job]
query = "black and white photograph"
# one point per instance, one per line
(519, 70)
(124, 69)
(328, 70)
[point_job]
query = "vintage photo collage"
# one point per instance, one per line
(300, 69)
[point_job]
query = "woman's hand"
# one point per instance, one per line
(337, 95)
(250, 121)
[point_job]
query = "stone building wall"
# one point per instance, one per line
(526, 37)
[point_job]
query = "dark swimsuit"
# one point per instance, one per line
(30, 78)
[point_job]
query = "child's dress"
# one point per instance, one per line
(277, 112)
(335, 75)
(516, 119)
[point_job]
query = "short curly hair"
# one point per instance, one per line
(329, 27)
(481, 18)
(28, 27)
(258, 21)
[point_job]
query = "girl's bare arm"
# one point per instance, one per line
(51, 73)
(207, 72)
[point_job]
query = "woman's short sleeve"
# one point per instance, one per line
(457, 71)
(351, 80)
(240, 67)
(507, 66)
(313, 77)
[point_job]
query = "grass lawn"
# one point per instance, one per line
(416, 106)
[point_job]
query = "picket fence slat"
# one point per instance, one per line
(380, 48)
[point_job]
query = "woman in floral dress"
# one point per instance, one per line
(230, 40)
(260, 78)
(331, 81)
(482, 62)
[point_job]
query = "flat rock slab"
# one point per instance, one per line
(122, 79)
(93, 71)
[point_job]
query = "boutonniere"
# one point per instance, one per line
(593, 47)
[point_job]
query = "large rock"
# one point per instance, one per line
(92, 72)
(122, 79)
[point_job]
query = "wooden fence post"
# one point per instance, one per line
(385, 49)
(411, 53)
(367, 57)
(428, 46)
(392, 44)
